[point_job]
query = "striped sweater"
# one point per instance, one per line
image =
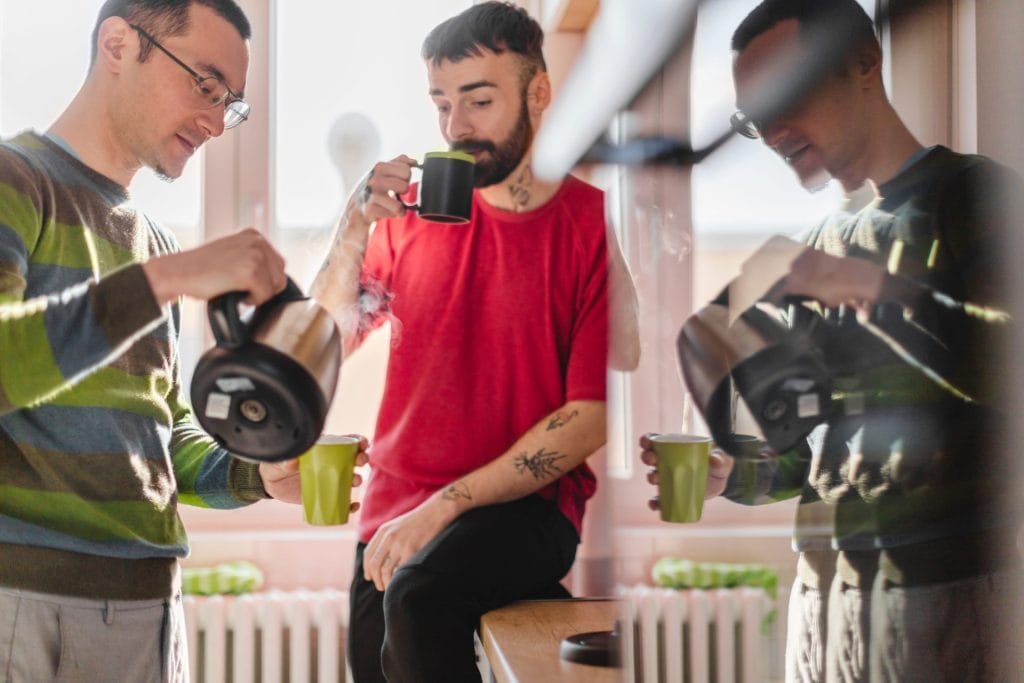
(97, 444)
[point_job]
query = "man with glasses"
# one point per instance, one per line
(211, 90)
(97, 445)
(909, 511)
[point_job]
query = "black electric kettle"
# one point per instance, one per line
(264, 390)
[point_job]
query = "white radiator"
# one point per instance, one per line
(696, 636)
(272, 637)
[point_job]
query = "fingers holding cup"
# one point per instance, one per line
(650, 458)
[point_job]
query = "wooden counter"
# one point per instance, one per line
(521, 640)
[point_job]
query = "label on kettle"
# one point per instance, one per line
(218, 406)
(807, 406)
(230, 385)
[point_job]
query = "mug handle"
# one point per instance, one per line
(410, 207)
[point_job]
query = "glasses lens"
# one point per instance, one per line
(236, 113)
(211, 90)
(744, 126)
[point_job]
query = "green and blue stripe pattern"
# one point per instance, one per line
(97, 445)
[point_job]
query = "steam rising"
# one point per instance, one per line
(371, 309)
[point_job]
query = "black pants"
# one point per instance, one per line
(421, 627)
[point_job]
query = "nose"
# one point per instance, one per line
(458, 125)
(774, 133)
(211, 121)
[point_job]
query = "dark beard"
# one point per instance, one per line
(504, 158)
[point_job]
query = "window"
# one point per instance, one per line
(620, 446)
(33, 98)
(742, 193)
(313, 64)
(372, 75)
(736, 198)
(349, 89)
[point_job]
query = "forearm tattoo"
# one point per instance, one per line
(560, 419)
(457, 491)
(541, 464)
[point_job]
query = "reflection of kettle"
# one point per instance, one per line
(264, 390)
(780, 373)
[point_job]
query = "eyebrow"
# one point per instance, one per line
(475, 85)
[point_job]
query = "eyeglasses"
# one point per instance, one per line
(744, 125)
(211, 91)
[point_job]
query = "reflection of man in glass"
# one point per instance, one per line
(917, 580)
(495, 392)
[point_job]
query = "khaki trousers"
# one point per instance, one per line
(967, 631)
(46, 638)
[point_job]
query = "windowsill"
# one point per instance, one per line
(333, 533)
(638, 547)
(784, 531)
(259, 521)
(290, 558)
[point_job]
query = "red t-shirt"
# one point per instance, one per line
(495, 324)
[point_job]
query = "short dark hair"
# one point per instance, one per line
(162, 18)
(829, 16)
(495, 26)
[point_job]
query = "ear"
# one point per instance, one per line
(867, 62)
(115, 44)
(538, 93)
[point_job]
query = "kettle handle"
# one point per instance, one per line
(222, 311)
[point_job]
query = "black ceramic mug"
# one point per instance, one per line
(446, 188)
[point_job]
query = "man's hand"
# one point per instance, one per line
(281, 479)
(833, 280)
(244, 261)
(399, 539)
(719, 467)
(376, 196)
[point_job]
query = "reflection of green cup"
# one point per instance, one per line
(748, 447)
(682, 475)
(326, 473)
(746, 464)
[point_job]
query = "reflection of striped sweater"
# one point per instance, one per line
(96, 442)
(919, 456)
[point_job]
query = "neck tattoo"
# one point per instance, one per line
(519, 189)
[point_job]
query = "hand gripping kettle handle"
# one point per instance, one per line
(229, 330)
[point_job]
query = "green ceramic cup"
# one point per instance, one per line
(326, 474)
(682, 475)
